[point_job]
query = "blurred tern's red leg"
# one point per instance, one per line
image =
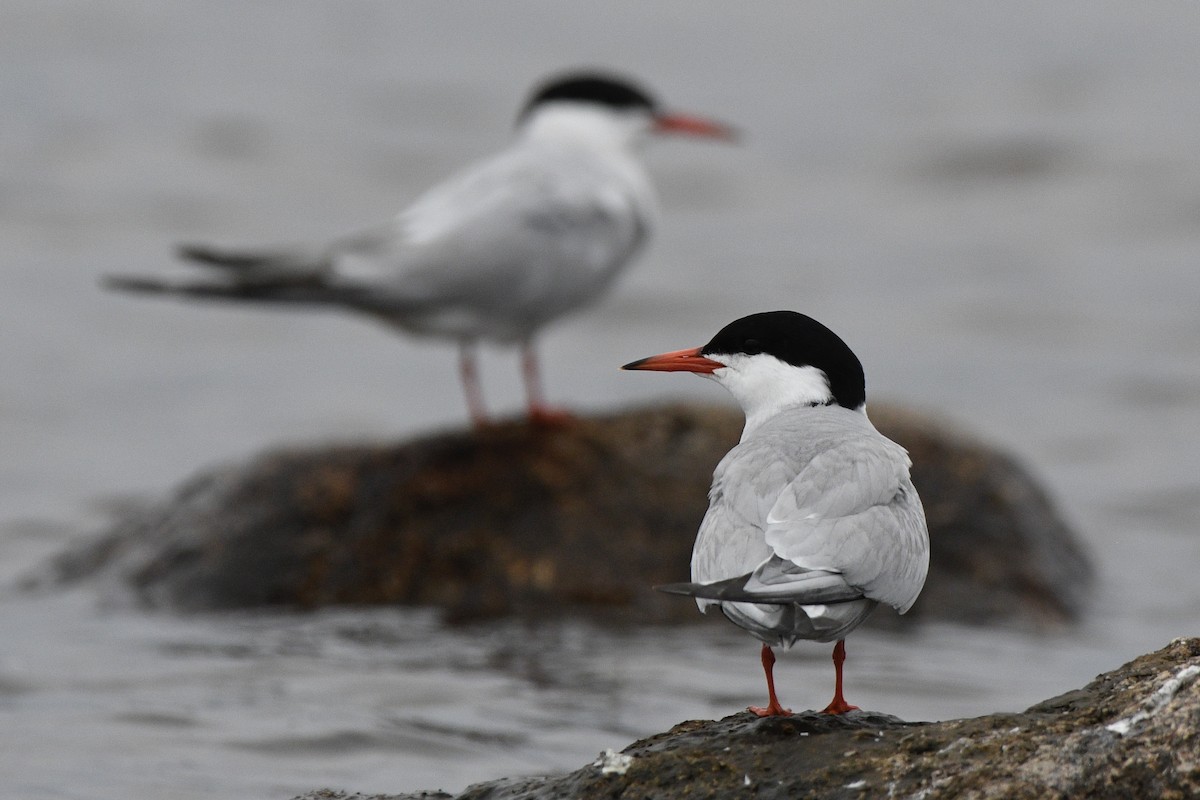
(470, 381)
(539, 412)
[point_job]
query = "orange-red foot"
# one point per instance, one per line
(838, 706)
(772, 710)
(543, 417)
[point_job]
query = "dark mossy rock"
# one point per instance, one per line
(519, 519)
(1131, 733)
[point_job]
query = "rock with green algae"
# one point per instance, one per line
(515, 519)
(1131, 733)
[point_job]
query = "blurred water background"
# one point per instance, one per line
(997, 205)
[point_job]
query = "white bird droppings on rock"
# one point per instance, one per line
(1157, 701)
(611, 762)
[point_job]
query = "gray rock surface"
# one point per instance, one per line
(1131, 733)
(517, 519)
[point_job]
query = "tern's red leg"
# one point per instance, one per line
(539, 413)
(839, 705)
(470, 382)
(773, 709)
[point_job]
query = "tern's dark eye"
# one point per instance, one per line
(751, 347)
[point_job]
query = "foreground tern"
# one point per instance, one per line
(497, 251)
(812, 518)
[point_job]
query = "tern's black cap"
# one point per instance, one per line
(798, 340)
(591, 87)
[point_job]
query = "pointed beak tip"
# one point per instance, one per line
(722, 131)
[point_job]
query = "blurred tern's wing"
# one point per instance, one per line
(853, 511)
(529, 231)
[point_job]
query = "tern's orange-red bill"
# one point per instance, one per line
(689, 125)
(689, 360)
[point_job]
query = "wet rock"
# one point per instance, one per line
(1131, 733)
(516, 519)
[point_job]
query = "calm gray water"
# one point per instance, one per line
(997, 205)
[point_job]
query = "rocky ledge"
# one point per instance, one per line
(517, 519)
(1131, 733)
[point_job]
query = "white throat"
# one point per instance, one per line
(584, 122)
(763, 386)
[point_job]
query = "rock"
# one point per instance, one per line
(516, 519)
(1131, 733)
(331, 794)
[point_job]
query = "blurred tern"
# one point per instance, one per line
(497, 251)
(812, 518)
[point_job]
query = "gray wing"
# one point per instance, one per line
(811, 508)
(853, 511)
(523, 233)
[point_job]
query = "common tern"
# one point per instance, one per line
(813, 519)
(495, 252)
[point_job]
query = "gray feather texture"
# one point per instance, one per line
(815, 507)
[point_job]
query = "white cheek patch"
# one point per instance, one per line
(763, 385)
(764, 378)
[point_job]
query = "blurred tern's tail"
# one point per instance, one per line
(277, 276)
(296, 293)
(278, 264)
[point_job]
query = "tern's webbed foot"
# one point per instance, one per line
(838, 706)
(544, 417)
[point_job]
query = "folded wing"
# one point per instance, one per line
(853, 511)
